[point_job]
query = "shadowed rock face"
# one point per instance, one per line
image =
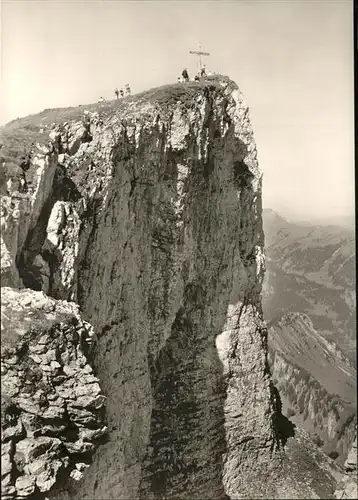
(147, 213)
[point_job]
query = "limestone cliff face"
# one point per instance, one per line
(150, 219)
(147, 214)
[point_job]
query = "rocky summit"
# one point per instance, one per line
(134, 351)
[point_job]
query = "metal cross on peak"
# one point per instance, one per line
(199, 53)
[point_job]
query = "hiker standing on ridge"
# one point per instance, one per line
(203, 72)
(121, 92)
(116, 92)
(128, 89)
(185, 75)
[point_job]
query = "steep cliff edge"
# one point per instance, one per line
(147, 213)
(348, 488)
(315, 381)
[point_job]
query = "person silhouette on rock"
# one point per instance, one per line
(185, 75)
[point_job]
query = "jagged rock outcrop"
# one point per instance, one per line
(51, 403)
(350, 465)
(147, 213)
(348, 488)
(309, 469)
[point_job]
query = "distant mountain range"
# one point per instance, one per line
(347, 221)
(311, 269)
(309, 305)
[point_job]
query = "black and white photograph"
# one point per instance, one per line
(178, 263)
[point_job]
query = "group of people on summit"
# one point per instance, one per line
(118, 93)
(185, 76)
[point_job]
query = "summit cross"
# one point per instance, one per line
(199, 53)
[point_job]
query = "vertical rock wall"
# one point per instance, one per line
(150, 219)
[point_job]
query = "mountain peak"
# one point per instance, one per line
(272, 216)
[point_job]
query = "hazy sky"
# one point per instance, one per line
(293, 60)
